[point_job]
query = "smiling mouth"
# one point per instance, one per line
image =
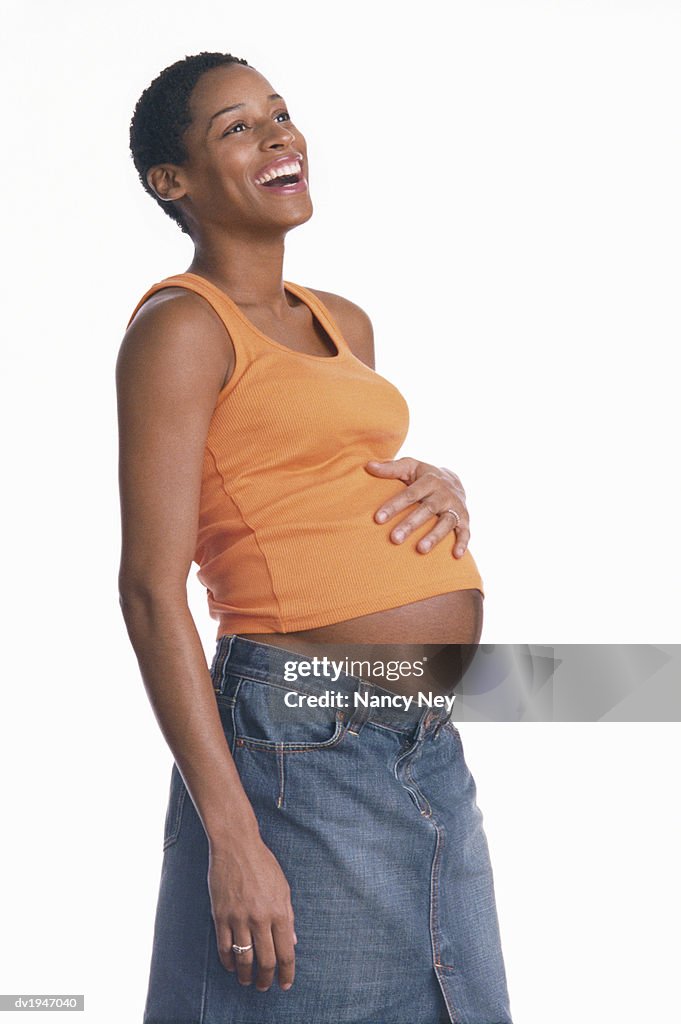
(282, 173)
(284, 179)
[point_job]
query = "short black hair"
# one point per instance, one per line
(162, 116)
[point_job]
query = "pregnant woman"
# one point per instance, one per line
(324, 858)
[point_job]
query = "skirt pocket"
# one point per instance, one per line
(282, 742)
(269, 716)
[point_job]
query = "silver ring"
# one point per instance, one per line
(242, 949)
(454, 513)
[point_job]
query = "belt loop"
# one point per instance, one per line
(425, 722)
(360, 714)
(217, 669)
(444, 718)
(425, 718)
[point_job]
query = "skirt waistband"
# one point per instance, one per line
(236, 656)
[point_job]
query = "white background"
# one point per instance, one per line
(497, 185)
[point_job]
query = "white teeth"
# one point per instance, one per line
(278, 172)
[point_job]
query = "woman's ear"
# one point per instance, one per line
(166, 182)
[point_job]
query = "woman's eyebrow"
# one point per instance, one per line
(238, 106)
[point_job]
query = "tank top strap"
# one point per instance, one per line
(322, 314)
(228, 311)
(242, 332)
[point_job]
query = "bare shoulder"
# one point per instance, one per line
(176, 329)
(354, 324)
(175, 312)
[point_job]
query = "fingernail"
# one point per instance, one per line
(398, 535)
(425, 546)
(381, 516)
(287, 986)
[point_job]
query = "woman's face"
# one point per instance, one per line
(240, 137)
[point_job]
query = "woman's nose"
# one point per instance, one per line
(279, 135)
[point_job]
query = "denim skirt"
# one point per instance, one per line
(370, 810)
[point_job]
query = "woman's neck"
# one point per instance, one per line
(249, 271)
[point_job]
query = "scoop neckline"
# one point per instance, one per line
(294, 290)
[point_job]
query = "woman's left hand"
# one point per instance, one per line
(436, 490)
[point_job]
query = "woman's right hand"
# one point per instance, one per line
(251, 903)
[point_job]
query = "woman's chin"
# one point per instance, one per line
(302, 213)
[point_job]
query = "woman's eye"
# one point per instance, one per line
(240, 126)
(234, 129)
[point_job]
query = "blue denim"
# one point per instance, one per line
(371, 814)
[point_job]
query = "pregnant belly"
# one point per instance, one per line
(445, 629)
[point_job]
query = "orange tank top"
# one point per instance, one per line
(286, 535)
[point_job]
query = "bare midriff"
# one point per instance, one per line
(445, 630)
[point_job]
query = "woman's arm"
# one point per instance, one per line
(173, 361)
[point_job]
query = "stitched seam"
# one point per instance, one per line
(266, 682)
(252, 529)
(225, 702)
(434, 918)
(408, 772)
(433, 902)
(280, 765)
(204, 993)
(174, 825)
(233, 715)
(277, 746)
(391, 728)
(217, 669)
(382, 1020)
(240, 623)
(236, 671)
(289, 688)
(280, 746)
